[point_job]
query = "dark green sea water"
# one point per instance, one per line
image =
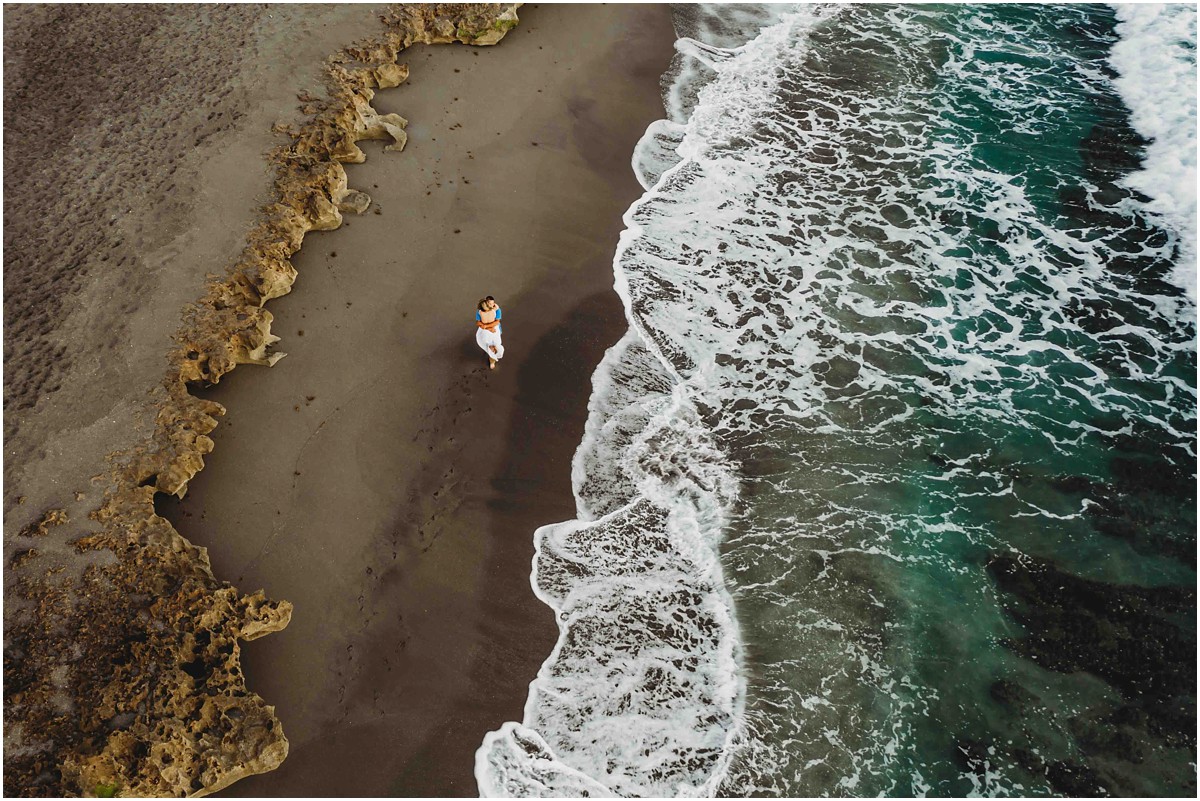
(964, 560)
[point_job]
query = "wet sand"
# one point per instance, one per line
(380, 477)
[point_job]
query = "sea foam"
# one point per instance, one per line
(642, 693)
(1156, 59)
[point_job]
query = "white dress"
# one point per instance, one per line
(487, 339)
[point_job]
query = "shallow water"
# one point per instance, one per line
(890, 489)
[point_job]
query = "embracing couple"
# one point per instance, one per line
(487, 330)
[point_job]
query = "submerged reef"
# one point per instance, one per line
(1139, 640)
(122, 657)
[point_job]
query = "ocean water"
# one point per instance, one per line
(890, 488)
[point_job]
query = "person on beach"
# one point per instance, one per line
(487, 330)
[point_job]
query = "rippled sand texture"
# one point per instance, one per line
(121, 664)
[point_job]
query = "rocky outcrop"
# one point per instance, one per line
(122, 650)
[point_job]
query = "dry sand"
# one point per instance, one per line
(380, 477)
(134, 162)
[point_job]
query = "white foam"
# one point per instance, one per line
(521, 765)
(1156, 59)
(641, 693)
(707, 33)
(657, 151)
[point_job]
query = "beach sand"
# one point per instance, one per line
(132, 168)
(380, 477)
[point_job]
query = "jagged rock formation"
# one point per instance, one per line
(122, 657)
(130, 681)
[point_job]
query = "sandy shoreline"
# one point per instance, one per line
(379, 477)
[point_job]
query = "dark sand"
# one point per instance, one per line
(380, 477)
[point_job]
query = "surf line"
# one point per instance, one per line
(582, 729)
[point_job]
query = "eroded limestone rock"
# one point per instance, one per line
(228, 327)
(127, 679)
(355, 202)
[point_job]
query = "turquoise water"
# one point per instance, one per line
(1003, 410)
(890, 489)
